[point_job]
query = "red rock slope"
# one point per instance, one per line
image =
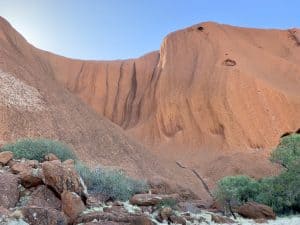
(215, 98)
(210, 84)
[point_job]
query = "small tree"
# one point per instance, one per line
(235, 190)
(287, 151)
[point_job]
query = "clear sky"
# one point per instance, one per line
(113, 29)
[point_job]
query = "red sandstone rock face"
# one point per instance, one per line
(214, 99)
(210, 96)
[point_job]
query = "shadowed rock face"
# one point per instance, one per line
(215, 98)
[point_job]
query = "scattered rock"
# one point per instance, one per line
(44, 197)
(72, 204)
(35, 215)
(177, 219)
(5, 157)
(3, 212)
(115, 216)
(51, 157)
(31, 177)
(19, 167)
(150, 199)
(229, 62)
(193, 206)
(253, 210)
(106, 223)
(261, 221)
(165, 213)
(9, 193)
(95, 199)
(221, 219)
(63, 177)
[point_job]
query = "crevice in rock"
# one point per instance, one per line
(285, 134)
(198, 176)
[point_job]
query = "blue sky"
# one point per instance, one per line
(114, 29)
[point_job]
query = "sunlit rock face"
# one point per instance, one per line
(213, 101)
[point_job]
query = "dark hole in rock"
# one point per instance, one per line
(229, 62)
(285, 134)
(200, 28)
(298, 131)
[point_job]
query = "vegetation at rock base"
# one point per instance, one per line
(112, 183)
(287, 151)
(281, 192)
(37, 149)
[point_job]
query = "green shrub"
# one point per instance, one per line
(282, 192)
(287, 151)
(235, 190)
(37, 149)
(112, 183)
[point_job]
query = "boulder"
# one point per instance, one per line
(253, 210)
(21, 166)
(151, 199)
(44, 197)
(51, 157)
(63, 177)
(9, 193)
(31, 177)
(36, 215)
(72, 204)
(5, 157)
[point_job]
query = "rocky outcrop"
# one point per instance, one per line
(9, 194)
(200, 100)
(72, 205)
(5, 157)
(62, 177)
(254, 210)
(43, 216)
(151, 199)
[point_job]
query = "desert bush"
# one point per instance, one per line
(281, 192)
(37, 149)
(287, 151)
(235, 190)
(112, 183)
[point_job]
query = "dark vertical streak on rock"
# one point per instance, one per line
(194, 66)
(77, 80)
(106, 90)
(115, 108)
(130, 99)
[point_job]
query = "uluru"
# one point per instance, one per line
(214, 100)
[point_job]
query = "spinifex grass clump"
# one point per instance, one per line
(37, 149)
(112, 183)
